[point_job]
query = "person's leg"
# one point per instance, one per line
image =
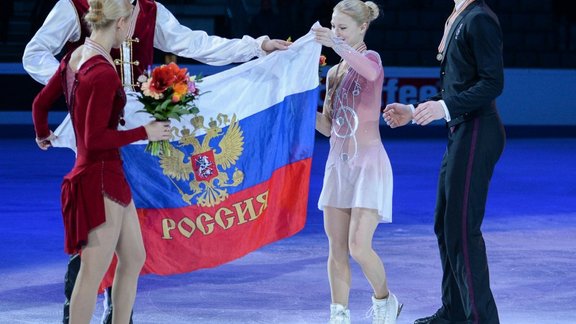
(69, 281)
(131, 257)
(385, 306)
(452, 308)
(109, 309)
(362, 227)
(468, 178)
(108, 293)
(336, 225)
(96, 258)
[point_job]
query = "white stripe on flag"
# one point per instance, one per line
(243, 90)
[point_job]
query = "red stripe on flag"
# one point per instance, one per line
(180, 240)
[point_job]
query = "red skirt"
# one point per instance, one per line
(83, 191)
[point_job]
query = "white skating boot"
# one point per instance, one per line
(339, 314)
(385, 311)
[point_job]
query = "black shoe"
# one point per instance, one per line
(433, 319)
(107, 316)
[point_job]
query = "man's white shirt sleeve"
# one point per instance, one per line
(61, 26)
(172, 37)
(446, 112)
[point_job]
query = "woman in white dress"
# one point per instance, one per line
(357, 190)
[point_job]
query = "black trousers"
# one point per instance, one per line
(70, 280)
(473, 149)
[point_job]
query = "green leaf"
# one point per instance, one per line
(160, 117)
(174, 116)
(164, 105)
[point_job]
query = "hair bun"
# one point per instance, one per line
(95, 13)
(374, 10)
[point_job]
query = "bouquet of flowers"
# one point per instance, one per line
(168, 92)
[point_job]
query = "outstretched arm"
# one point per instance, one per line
(170, 36)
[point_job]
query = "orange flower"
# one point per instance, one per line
(180, 89)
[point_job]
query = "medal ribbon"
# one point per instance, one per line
(449, 22)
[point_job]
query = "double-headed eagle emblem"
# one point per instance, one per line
(206, 169)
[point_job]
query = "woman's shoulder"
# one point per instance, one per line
(374, 57)
(371, 54)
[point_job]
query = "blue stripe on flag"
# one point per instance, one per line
(274, 137)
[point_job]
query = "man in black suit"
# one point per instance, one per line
(471, 79)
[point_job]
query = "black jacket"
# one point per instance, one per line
(471, 73)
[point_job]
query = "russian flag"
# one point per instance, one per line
(238, 173)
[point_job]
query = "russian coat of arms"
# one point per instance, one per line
(208, 170)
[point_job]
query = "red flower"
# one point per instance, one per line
(166, 76)
(181, 75)
(162, 78)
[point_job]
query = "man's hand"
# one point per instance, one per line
(324, 36)
(271, 45)
(428, 112)
(396, 115)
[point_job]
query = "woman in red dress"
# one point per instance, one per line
(99, 214)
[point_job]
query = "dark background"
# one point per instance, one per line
(537, 33)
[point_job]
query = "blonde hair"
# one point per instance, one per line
(360, 11)
(102, 13)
